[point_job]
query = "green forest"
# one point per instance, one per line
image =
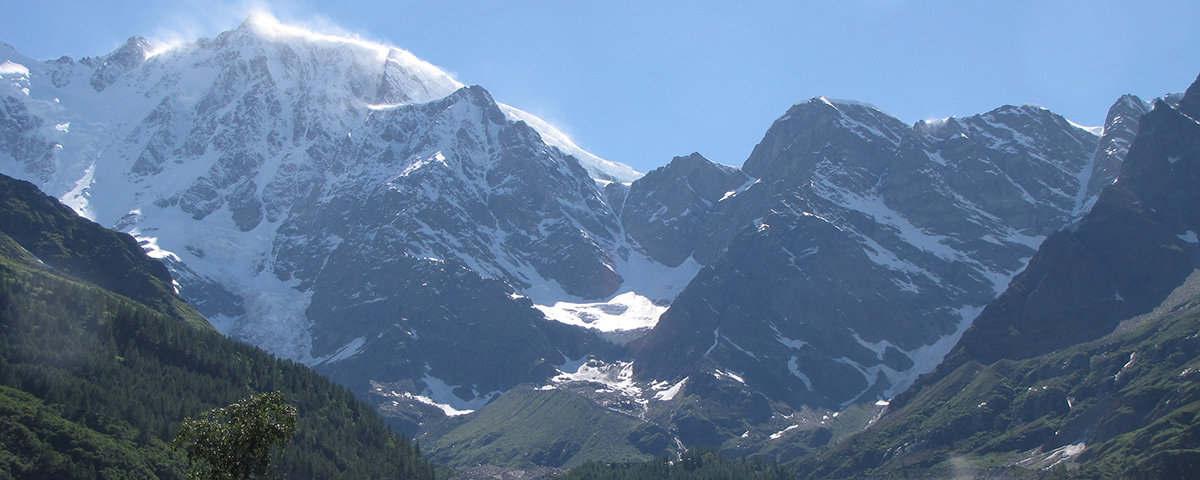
(94, 385)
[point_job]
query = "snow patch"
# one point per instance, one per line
(78, 197)
(647, 292)
(745, 186)
(716, 339)
(627, 311)
(571, 365)
(780, 434)
(874, 207)
(732, 376)
(790, 343)
(739, 348)
(447, 409)
(349, 350)
(795, 369)
(12, 68)
(442, 396)
(616, 377)
(670, 393)
(878, 347)
(925, 358)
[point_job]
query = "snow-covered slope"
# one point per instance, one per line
(271, 166)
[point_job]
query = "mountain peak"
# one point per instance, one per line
(125, 58)
(1190, 105)
(266, 25)
(845, 102)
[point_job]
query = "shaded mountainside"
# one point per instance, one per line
(1123, 406)
(93, 384)
(862, 247)
(1138, 243)
(84, 250)
(1041, 379)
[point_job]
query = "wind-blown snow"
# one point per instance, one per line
(599, 168)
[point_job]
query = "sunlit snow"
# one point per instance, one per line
(11, 68)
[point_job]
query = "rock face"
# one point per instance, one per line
(1137, 244)
(1089, 358)
(666, 210)
(349, 206)
(1120, 128)
(864, 247)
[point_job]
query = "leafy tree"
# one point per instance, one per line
(234, 442)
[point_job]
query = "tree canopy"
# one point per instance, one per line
(235, 442)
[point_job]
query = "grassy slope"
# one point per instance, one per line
(1132, 397)
(562, 429)
(697, 464)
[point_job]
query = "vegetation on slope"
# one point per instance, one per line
(78, 248)
(1124, 406)
(93, 384)
(696, 464)
(528, 427)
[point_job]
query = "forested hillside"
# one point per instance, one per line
(94, 384)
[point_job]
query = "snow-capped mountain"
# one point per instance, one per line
(347, 205)
(274, 168)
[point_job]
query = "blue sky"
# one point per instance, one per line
(640, 82)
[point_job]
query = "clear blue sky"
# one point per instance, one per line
(642, 81)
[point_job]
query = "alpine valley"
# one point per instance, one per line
(833, 304)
